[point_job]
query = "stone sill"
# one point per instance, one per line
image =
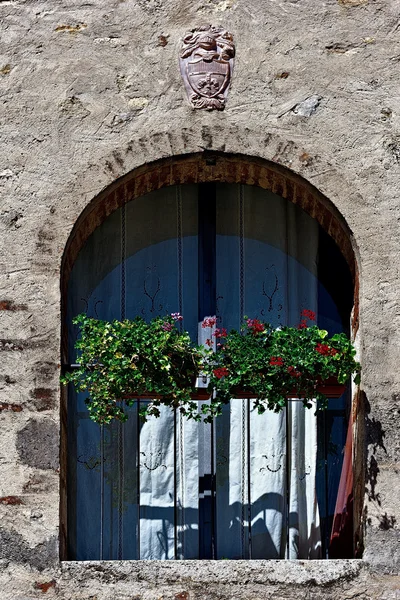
(223, 572)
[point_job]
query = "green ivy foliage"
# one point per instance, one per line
(121, 360)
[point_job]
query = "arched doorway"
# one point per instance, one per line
(169, 490)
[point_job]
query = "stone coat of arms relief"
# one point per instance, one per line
(206, 62)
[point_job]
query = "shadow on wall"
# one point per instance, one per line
(374, 440)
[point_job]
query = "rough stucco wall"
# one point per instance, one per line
(91, 90)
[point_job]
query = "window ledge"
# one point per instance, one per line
(230, 572)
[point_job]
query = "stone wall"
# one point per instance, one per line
(91, 91)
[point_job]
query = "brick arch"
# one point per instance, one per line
(206, 167)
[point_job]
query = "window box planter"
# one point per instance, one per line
(129, 360)
(199, 394)
(330, 388)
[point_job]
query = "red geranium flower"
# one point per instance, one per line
(220, 333)
(325, 350)
(322, 348)
(308, 314)
(293, 372)
(255, 325)
(177, 316)
(276, 361)
(221, 372)
(209, 322)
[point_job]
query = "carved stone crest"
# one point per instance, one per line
(206, 61)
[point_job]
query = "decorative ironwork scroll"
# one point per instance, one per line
(206, 61)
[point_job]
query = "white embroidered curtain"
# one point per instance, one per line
(143, 490)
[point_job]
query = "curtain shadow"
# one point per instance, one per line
(264, 543)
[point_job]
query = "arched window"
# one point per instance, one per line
(248, 485)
